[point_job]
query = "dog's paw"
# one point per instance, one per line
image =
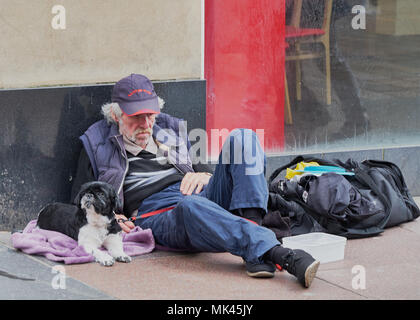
(105, 260)
(125, 259)
(107, 263)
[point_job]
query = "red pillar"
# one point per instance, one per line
(244, 67)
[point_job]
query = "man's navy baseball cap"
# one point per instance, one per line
(135, 95)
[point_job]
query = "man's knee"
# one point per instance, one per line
(241, 141)
(240, 133)
(243, 147)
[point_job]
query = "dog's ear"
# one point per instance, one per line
(116, 202)
(81, 193)
(118, 205)
(83, 189)
(78, 197)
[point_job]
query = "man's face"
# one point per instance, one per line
(138, 128)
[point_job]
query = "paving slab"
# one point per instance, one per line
(389, 264)
(25, 277)
(199, 276)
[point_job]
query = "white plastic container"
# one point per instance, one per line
(324, 247)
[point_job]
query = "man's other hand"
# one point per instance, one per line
(194, 181)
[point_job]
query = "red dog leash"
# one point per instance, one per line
(145, 215)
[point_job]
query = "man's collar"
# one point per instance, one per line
(136, 149)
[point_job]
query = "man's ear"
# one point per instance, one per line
(114, 116)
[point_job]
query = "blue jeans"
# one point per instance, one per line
(204, 222)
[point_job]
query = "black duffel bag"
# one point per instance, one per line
(378, 197)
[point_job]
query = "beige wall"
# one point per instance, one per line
(104, 40)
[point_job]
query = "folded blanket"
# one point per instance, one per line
(58, 247)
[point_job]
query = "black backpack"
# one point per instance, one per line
(378, 187)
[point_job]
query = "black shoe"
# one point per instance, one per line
(260, 270)
(302, 265)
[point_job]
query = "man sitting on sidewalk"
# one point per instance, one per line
(145, 155)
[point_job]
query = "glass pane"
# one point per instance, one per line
(374, 49)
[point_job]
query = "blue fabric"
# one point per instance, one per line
(204, 222)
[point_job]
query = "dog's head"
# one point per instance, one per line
(99, 197)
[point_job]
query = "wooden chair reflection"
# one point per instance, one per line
(289, 118)
(296, 37)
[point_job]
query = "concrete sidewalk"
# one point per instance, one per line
(390, 263)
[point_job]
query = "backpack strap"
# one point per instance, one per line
(298, 159)
(361, 233)
(276, 172)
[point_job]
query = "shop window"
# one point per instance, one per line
(374, 70)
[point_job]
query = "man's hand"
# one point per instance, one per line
(194, 181)
(127, 225)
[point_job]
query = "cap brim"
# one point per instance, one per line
(139, 107)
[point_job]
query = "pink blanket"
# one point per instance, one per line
(58, 247)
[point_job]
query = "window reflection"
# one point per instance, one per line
(374, 72)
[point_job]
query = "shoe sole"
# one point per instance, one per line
(260, 274)
(310, 273)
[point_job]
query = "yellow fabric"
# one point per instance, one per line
(290, 173)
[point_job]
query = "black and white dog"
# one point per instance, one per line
(91, 222)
